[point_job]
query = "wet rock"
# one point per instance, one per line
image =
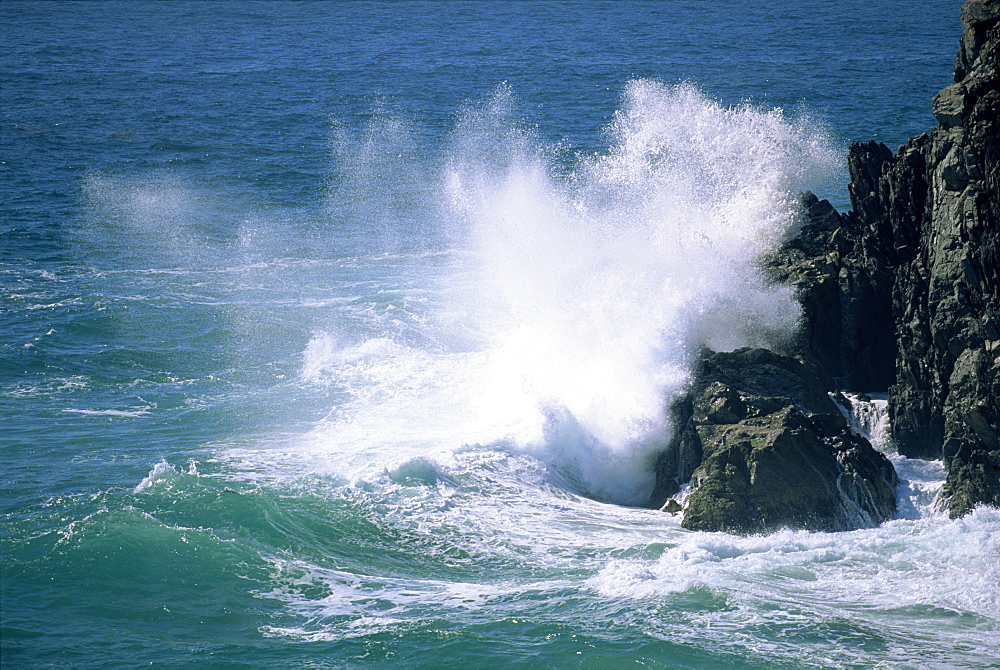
(903, 294)
(945, 402)
(671, 507)
(837, 266)
(765, 448)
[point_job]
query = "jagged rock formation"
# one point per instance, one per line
(766, 448)
(844, 285)
(901, 294)
(949, 343)
(911, 276)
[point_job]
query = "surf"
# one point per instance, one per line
(578, 294)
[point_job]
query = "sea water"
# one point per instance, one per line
(341, 334)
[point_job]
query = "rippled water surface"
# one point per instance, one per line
(339, 334)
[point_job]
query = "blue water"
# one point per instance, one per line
(339, 334)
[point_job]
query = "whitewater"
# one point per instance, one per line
(533, 392)
(301, 369)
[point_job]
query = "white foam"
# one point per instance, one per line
(868, 416)
(918, 494)
(920, 481)
(519, 547)
(164, 472)
(124, 413)
(161, 471)
(569, 313)
(953, 564)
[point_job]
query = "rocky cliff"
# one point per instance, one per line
(902, 294)
(925, 230)
(946, 294)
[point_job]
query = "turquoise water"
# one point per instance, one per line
(339, 334)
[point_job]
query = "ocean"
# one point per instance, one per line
(340, 334)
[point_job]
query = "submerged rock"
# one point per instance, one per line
(765, 448)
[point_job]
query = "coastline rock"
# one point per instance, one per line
(845, 289)
(937, 203)
(902, 294)
(765, 448)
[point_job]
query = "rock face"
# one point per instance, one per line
(902, 294)
(958, 267)
(925, 224)
(844, 285)
(766, 448)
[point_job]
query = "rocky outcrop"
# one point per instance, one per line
(928, 215)
(902, 294)
(958, 265)
(845, 288)
(765, 448)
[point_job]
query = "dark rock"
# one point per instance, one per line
(765, 447)
(671, 507)
(949, 106)
(843, 283)
(903, 294)
(946, 399)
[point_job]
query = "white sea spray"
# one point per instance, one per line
(603, 283)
